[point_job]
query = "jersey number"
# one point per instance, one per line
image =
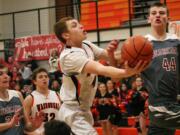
(169, 65)
(49, 116)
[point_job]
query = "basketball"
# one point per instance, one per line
(136, 48)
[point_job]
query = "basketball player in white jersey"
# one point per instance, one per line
(80, 71)
(13, 119)
(42, 99)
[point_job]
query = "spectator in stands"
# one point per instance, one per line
(136, 102)
(103, 107)
(123, 92)
(17, 87)
(26, 90)
(55, 86)
(32, 63)
(3, 62)
(54, 71)
(13, 73)
(13, 118)
(19, 79)
(144, 95)
(94, 110)
(140, 84)
(127, 81)
(26, 73)
(10, 63)
(111, 88)
(115, 112)
(56, 127)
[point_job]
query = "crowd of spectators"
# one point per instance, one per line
(113, 101)
(20, 75)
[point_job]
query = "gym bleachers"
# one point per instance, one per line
(174, 9)
(111, 13)
(114, 13)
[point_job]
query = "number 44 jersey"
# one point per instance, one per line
(162, 75)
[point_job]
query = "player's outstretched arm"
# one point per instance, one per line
(97, 68)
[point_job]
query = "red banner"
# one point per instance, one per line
(39, 47)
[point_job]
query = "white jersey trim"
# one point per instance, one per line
(168, 36)
(11, 93)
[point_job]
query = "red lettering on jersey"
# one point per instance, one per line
(169, 65)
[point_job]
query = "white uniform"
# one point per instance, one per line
(78, 89)
(50, 105)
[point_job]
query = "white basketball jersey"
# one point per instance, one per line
(78, 88)
(50, 105)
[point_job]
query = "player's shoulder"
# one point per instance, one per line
(169, 36)
(172, 36)
(13, 93)
(34, 92)
(52, 92)
(71, 52)
(88, 43)
(150, 37)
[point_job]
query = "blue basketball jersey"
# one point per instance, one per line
(7, 111)
(162, 76)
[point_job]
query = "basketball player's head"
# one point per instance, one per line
(158, 15)
(40, 78)
(56, 127)
(4, 78)
(69, 31)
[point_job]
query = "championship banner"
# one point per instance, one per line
(36, 47)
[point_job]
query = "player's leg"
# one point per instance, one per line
(154, 130)
(142, 123)
(104, 127)
(83, 124)
(165, 116)
(80, 121)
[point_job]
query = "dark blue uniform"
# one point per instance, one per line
(7, 111)
(162, 81)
